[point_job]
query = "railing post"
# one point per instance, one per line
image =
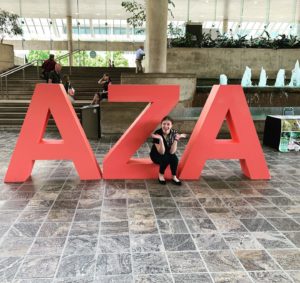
(2, 89)
(70, 67)
(6, 87)
(37, 68)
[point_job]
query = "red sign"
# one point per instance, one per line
(224, 102)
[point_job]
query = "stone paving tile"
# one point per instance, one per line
(211, 241)
(56, 228)
(154, 278)
(178, 242)
(257, 225)
(294, 237)
(9, 267)
(38, 266)
(185, 262)
(80, 245)
(113, 264)
(241, 241)
(47, 246)
(146, 243)
(189, 278)
(149, 263)
(288, 259)
(221, 261)
(232, 277)
(295, 275)
(114, 244)
(124, 278)
(172, 226)
(255, 260)
(76, 266)
(270, 276)
(273, 240)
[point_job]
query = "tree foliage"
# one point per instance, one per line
(38, 55)
(9, 25)
(81, 58)
(138, 12)
(118, 58)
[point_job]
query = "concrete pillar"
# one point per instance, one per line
(225, 26)
(70, 39)
(156, 36)
(225, 16)
(297, 28)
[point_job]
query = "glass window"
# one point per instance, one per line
(119, 30)
(102, 30)
(139, 31)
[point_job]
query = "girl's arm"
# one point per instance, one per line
(174, 145)
(101, 81)
(160, 146)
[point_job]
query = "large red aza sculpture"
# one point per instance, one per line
(223, 102)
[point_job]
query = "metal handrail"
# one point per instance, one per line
(23, 67)
(9, 72)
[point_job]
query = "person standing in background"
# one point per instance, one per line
(139, 56)
(48, 66)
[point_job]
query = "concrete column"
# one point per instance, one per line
(156, 36)
(225, 25)
(70, 39)
(298, 29)
(225, 16)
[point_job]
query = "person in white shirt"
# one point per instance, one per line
(139, 55)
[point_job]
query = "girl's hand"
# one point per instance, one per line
(179, 136)
(156, 136)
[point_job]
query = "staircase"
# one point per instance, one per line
(15, 100)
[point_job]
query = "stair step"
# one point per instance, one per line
(15, 99)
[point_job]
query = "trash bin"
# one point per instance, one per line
(90, 121)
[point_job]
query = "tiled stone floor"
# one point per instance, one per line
(222, 228)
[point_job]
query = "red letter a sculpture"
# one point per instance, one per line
(51, 98)
(224, 101)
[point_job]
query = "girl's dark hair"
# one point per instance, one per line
(167, 118)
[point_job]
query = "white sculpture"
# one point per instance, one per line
(246, 80)
(262, 78)
(280, 78)
(295, 79)
(223, 79)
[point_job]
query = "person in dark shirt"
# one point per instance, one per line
(48, 66)
(54, 76)
(105, 81)
(68, 88)
(163, 151)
